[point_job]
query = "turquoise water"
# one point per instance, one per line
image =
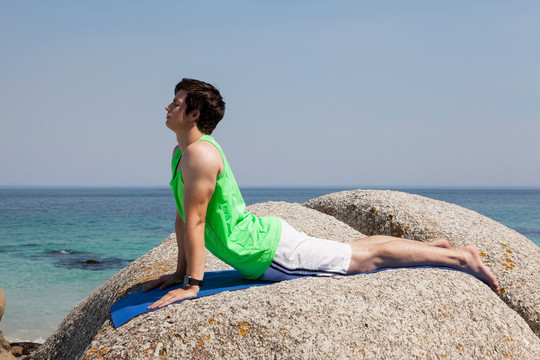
(47, 235)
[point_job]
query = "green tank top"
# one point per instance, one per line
(232, 234)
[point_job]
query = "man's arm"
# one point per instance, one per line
(201, 165)
(181, 260)
(178, 276)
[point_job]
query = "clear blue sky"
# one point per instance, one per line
(319, 93)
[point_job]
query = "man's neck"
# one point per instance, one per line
(186, 139)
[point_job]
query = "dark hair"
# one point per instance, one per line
(205, 98)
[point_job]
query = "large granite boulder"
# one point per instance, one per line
(395, 314)
(513, 259)
(403, 313)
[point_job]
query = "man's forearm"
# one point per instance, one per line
(194, 248)
(190, 261)
(181, 260)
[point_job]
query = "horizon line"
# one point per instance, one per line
(278, 187)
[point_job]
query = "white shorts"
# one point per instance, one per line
(299, 255)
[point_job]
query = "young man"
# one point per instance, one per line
(211, 213)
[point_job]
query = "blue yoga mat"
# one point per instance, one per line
(214, 282)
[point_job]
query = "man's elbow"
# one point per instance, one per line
(196, 223)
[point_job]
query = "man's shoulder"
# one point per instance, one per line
(202, 149)
(202, 155)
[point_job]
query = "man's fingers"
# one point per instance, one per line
(154, 284)
(174, 296)
(167, 299)
(163, 282)
(166, 284)
(149, 286)
(170, 281)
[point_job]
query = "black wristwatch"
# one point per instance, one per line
(188, 280)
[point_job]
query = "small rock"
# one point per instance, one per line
(5, 349)
(17, 351)
(92, 261)
(28, 348)
(2, 303)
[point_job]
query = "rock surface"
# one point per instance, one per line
(395, 314)
(403, 313)
(513, 259)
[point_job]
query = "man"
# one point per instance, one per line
(211, 212)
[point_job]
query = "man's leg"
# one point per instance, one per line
(385, 251)
(379, 239)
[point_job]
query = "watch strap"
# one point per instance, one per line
(188, 280)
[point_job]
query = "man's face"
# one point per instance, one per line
(176, 112)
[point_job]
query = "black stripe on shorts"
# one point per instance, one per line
(300, 271)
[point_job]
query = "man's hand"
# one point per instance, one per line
(164, 282)
(176, 295)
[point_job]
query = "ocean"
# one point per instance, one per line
(48, 236)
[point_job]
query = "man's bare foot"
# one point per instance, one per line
(442, 243)
(474, 266)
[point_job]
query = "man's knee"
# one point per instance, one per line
(363, 259)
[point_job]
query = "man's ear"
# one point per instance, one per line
(195, 114)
